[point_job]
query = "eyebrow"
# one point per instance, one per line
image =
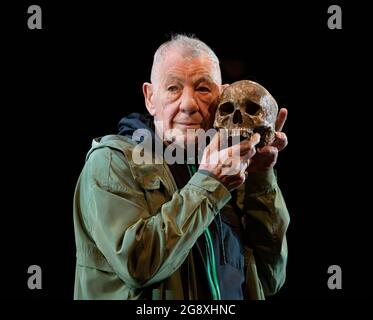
(203, 78)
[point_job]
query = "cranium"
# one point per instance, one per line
(245, 107)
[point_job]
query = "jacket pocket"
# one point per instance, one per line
(156, 194)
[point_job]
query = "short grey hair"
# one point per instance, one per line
(190, 47)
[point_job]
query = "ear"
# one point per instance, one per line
(147, 89)
(223, 86)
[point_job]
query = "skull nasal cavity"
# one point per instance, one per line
(251, 108)
(237, 118)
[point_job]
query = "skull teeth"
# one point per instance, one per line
(240, 132)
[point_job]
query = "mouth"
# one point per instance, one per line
(188, 124)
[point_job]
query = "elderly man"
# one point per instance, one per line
(164, 230)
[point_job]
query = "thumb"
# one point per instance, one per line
(255, 139)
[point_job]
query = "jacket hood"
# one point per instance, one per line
(128, 125)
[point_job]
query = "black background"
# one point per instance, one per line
(74, 79)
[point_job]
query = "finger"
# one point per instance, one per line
(248, 150)
(281, 141)
(281, 118)
(242, 147)
(234, 165)
(248, 155)
(268, 157)
(268, 152)
(255, 139)
(243, 167)
(242, 177)
(248, 144)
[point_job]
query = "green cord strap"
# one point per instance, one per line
(193, 168)
(211, 264)
(211, 281)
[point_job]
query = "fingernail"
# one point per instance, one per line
(257, 137)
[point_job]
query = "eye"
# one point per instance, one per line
(251, 108)
(172, 88)
(226, 108)
(204, 89)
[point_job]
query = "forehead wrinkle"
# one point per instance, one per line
(183, 69)
(195, 79)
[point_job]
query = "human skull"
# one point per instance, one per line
(245, 107)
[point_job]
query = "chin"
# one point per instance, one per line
(184, 140)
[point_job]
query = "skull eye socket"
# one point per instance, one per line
(226, 108)
(251, 108)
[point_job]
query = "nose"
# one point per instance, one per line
(188, 102)
(237, 117)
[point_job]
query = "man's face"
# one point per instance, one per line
(183, 96)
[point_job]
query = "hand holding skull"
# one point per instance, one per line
(266, 157)
(228, 164)
(246, 108)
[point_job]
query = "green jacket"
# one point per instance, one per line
(134, 228)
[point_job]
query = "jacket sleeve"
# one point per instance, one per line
(142, 248)
(266, 222)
